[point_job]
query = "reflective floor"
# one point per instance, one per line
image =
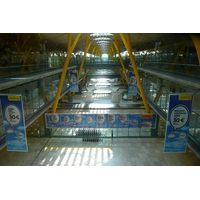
(109, 152)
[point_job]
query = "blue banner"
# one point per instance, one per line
(132, 86)
(67, 120)
(148, 121)
(134, 120)
(74, 81)
(53, 120)
(101, 120)
(111, 121)
(177, 125)
(89, 121)
(123, 121)
(13, 117)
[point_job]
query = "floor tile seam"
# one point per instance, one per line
(40, 151)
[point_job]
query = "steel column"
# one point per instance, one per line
(65, 67)
(87, 46)
(120, 58)
(196, 40)
(127, 43)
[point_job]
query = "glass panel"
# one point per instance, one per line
(133, 132)
(122, 132)
(145, 132)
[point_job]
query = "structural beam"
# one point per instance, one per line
(85, 75)
(179, 51)
(87, 46)
(124, 40)
(120, 72)
(196, 40)
(120, 58)
(159, 93)
(65, 67)
(127, 44)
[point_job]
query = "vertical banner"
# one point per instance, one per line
(14, 123)
(132, 86)
(177, 125)
(74, 81)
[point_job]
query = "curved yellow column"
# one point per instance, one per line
(127, 44)
(65, 67)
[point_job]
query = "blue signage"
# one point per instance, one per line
(78, 123)
(101, 121)
(134, 120)
(123, 121)
(132, 86)
(74, 81)
(53, 120)
(57, 120)
(65, 120)
(148, 121)
(89, 121)
(111, 121)
(177, 125)
(14, 124)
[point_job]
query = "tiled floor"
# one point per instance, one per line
(109, 152)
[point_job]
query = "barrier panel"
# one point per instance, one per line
(60, 120)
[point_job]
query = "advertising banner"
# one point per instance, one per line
(134, 120)
(74, 81)
(148, 121)
(101, 121)
(58, 120)
(132, 86)
(14, 122)
(52, 120)
(111, 120)
(177, 125)
(65, 120)
(89, 120)
(123, 121)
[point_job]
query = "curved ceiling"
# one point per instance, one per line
(102, 41)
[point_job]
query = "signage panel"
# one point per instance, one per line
(123, 121)
(134, 120)
(74, 81)
(177, 125)
(132, 86)
(14, 122)
(89, 120)
(57, 120)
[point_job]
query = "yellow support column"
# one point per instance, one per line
(85, 75)
(196, 40)
(127, 44)
(87, 46)
(120, 58)
(120, 71)
(65, 67)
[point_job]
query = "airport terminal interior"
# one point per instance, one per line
(99, 99)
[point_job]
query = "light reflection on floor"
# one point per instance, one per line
(76, 156)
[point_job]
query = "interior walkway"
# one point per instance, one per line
(109, 152)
